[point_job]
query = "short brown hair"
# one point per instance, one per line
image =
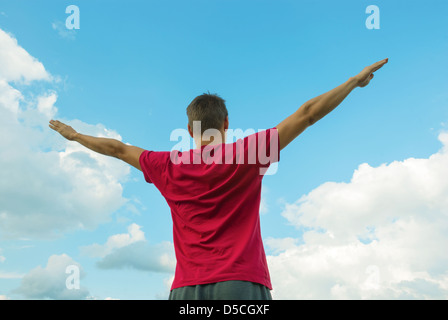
(208, 108)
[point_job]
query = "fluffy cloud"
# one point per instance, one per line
(9, 97)
(17, 64)
(53, 281)
(382, 235)
(47, 185)
(131, 250)
(141, 256)
(135, 234)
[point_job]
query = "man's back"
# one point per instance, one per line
(214, 195)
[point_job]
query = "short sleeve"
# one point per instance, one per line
(263, 149)
(268, 147)
(153, 164)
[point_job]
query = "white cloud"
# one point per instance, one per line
(382, 235)
(45, 105)
(134, 234)
(131, 250)
(50, 282)
(9, 97)
(48, 185)
(17, 64)
(44, 193)
(141, 256)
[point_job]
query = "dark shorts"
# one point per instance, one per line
(225, 290)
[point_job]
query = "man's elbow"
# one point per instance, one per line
(307, 114)
(311, 119)
(118, 150)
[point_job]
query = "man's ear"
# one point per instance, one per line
(226, 123)
(190, 131)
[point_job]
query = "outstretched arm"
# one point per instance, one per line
(106, 146)
(317, 108)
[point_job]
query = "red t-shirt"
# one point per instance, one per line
(215, 201)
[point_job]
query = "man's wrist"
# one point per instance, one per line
(76, 137)
(353, 82)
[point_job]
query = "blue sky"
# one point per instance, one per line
(131, 70)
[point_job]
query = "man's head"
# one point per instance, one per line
(210, 110)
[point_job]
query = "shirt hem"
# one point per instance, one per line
(265, 283)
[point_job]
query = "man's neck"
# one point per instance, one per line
(210, 141)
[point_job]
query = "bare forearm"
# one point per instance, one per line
(320, 106)
(106, 146)
(312, 111)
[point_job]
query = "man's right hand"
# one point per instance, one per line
(66, 131)
(364, 77)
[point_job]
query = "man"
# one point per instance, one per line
(214, 192)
